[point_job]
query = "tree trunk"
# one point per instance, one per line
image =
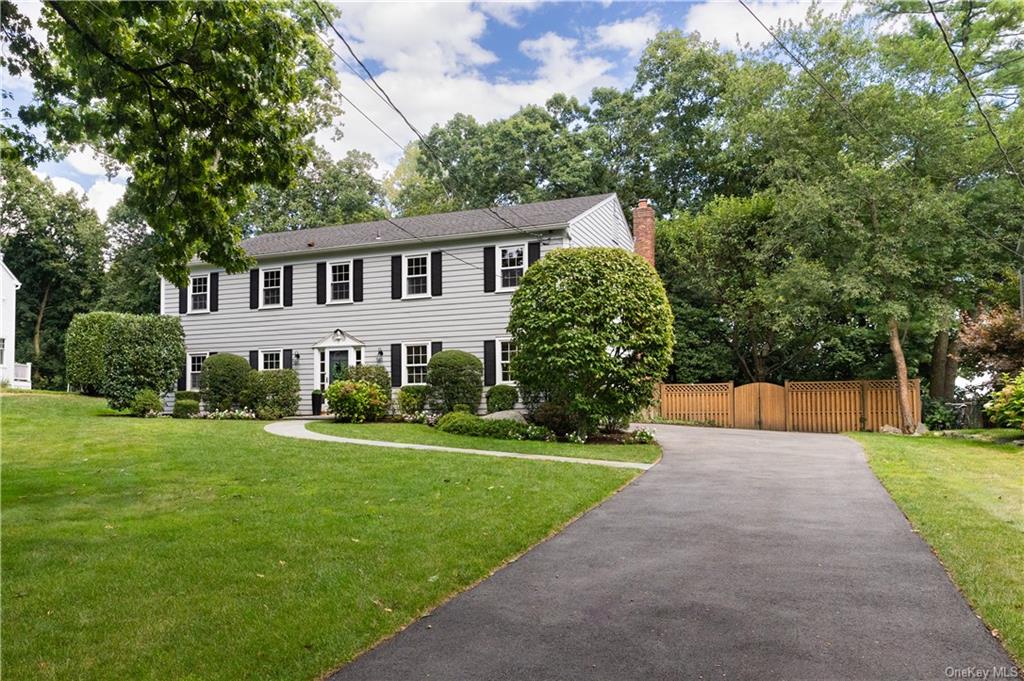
(37, 335)
(952, 368)
(940, 350)
(902, 381)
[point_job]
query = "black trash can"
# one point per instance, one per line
(318, 402)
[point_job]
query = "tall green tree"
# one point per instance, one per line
(132, 281)
(201, 101)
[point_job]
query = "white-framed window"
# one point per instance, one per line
(339, 282)
(271, 285)
(195, 369)
(511, 266)
(415, 357)
(199, 293)
(3, 349)
(417, 275)
(270, 359)
(506, 351)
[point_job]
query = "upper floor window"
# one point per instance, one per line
(199, 293)
(416, 357)
(417, 275)
(511, 265)
(340, 285)
(507, 350)
(195, 369)
(270, 287)
(270, 359)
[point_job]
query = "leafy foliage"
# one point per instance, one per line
(85, 347)
(412, 399)
(593, 330)
(185, 409)
(371, 373)
(463, 423)
(1006, 408)
(142, 352)
(146, 403)
(271, 394)
(501, 397)
(187, 395)
(455, 377)
(995, 340)
(223, 380)
(556, 417)
(132, 283)
(357, 401)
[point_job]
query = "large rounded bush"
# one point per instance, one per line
(271, 394)
(593, 331)
(85, 346)
(455, 377)
(357, 401)
(223, 380)
(501, 398)
(142, 352)
(371, 373)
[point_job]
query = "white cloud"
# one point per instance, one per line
(732, 26)
(507, 12)
(103, 195)
(62, 184)
(630, 35)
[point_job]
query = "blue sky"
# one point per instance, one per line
(485, 59)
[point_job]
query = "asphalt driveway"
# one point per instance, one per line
(743, 555)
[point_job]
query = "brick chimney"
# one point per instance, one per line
(643, 231)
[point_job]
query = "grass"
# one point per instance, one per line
(997, 435)
(966, 499)
(425, 435)
(177, 549)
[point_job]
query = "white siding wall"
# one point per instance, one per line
(462, 318)
(602, 225)
(8, 294)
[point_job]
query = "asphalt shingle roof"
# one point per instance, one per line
(466, 222)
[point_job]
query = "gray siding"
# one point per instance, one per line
(602, 225)
(463, 317)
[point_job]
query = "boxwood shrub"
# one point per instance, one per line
(146, 403)
(85, 345)
(222, 381)
(187, 395)
(461, 423)
(455, 377)
(357, 401)
(185, 409)
(272, 394)
(412, 399)
(502, 398)
(142, 352)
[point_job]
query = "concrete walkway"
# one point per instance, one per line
(742, 555)
(297, 428)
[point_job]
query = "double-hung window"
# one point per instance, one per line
(340, 284)
(506, 351)
(417, 275)
(195, 369)
(270, 287)
(511, 265)
(416, 357)
(270, 359)
(199, 293)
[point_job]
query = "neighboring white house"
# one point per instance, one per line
(390, 292)
(12, 374)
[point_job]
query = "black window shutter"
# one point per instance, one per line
(321, 283)
(396, 365)
(489, 282)
(286, 359)
(211, 354)
(287, 285)
(532, 252)
(357, 280)
(183, 300)
(181, 376)
(489, 362)
(254, 289)
(436, 347)
(396, 277)
(254, 359)
(214, 291)
(435, 273)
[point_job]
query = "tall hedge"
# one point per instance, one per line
(593, 331)
(143, 352)
(85, 345)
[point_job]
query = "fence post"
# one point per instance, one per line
(863, 405)
(732, 404)
(785, 402)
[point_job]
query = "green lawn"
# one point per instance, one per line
(998, 435)
(422, 434)
(967, 501)
(176, 549)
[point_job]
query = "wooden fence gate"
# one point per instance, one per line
(804, 406)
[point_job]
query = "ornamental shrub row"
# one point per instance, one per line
(357, 401)
(461, 423)
(271, 394)
(142, 352)
(85, 346)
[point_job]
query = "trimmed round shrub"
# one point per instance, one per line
(455, 377)
(222, 381)
(185, 409)
(142, 352)
(1006, 408)
(371, 373)
(356, 401)
(593, 331)
(461, 423)
(187, 395)
(501, 398)
(271, 394)
(464, 408)
(146, 403)
(85, 345)
(412, 399)
(556, 417)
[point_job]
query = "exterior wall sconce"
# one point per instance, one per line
(380, 356)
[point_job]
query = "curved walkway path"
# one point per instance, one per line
(297, 428)
(742, 555)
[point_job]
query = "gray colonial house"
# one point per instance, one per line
(390, 292)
